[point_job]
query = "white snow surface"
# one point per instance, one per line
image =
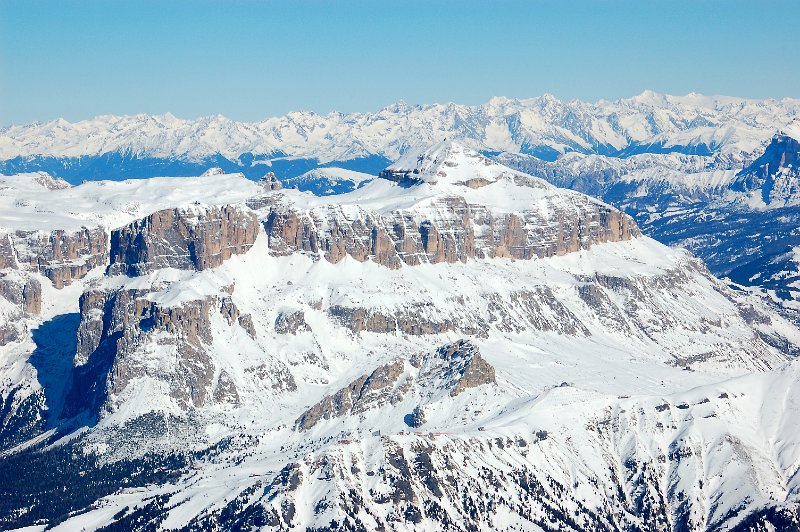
(726, 124)
(335, 174)
(670, 362)
(27, 203)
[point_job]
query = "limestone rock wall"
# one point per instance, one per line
(463, 366)
(188, 239)
(367, 391)
(454, 367)
(24, 294)
(536, 308)
(115, 327)
(27, 293)
(7, 255)
(450, 231)
(61, 256)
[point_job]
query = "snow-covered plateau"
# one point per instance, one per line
(453, 344)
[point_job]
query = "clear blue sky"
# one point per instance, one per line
(249, 60)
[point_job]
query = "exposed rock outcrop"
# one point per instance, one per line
(225, 390)
(367, 391)
(775, 174)
(125, 335)
(459, 366)
(7, 256)
(416, 418)
(32, 297)
(278, 374)
(454, 368)
(49, 182)
(8, 333)
(270, 182)
(188, 239)
(246, 322)
(61, 256)
(460, 232)
(24, 294)
(27, 293)
(231, 313)
(291, 322)
(414, 320)
(536, 308)
(115, 324)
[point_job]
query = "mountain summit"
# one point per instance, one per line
(775, 174)
(447, 162)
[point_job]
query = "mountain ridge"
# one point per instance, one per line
(657, 121)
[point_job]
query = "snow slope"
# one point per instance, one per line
(328, 180)
(28, 203)
(619, 384)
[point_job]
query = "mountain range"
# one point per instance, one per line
(732, 129)
(507, 316)
(454, 344)
(714, 174)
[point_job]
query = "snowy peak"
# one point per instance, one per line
(329, 180)
(775, 174)
(447, 162)
(213, 171)
(543, 126)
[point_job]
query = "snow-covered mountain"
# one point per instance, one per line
(328, 180)
(741, 219)
(455, 344)
(669, 161)
(733, 129)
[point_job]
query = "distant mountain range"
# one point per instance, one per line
(731, 130)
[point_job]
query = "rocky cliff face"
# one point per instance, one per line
(415, 320)
(775, 175)
(368, 391)
(7, 255)
(453, 369)
(462, 367)
(461, 231)
(114, 325)
(21, 291)
(453, 223)
(62, 256)
(117, 326)
(197, 239)
(22, 296)
(270, 182)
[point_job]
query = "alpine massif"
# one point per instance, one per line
(449, 341)
(689, 169)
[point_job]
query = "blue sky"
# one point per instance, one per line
(249, 60)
